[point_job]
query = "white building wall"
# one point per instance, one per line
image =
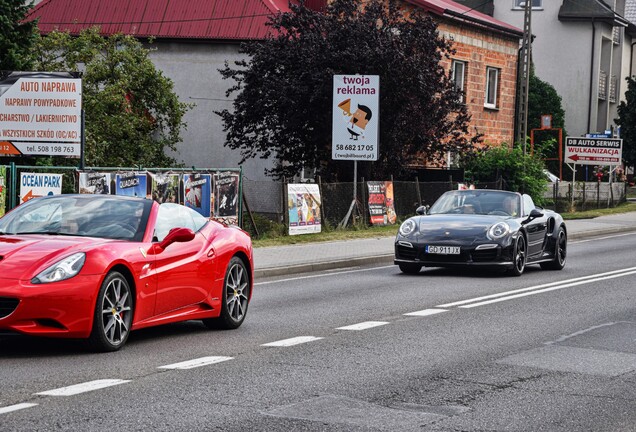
(561, 56)
(193, 68)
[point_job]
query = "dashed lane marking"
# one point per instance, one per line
(83, 387)
(292, 341)
(363, 325)
(16, 407)
(190, 364)
(426, 312)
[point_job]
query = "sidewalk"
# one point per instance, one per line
(319, 256)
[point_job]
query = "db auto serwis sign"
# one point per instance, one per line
(355, 117)
(41, 116)
(593, 151)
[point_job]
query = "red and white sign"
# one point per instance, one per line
(41, 110)
(593, 151)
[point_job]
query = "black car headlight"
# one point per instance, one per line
(498, 231)
(61, 270)
(407, 227)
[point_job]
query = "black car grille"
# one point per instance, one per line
(484, 255)
(405, 252)
(7, 306)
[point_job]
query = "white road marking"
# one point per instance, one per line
(536, 287)
(426, 312)
(16, 407)
(83, 387)
(190, 364)
(487, 302)
(321, 275)
(363, 325)
(292, 341)
(600, 238)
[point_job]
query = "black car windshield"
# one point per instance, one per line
(497, 203)
(79, 215)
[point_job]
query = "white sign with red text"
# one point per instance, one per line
(34, 111)
(593, 151)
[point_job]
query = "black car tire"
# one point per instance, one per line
(519, 257)
(410, 268)
(113, 315)
(235, 297)
(560, 252)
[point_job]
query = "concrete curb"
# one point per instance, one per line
(388, 258)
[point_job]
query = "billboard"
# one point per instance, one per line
(34, 185)
(356, 113)
(303, 205)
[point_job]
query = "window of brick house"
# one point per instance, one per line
(492, 87)
(521, 4)
(459, 76)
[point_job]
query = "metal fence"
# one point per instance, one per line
(579, 196)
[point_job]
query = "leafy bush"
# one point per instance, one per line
(517, 171)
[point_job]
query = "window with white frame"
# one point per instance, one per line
(492, 86)
(521, 4)
(459, 76)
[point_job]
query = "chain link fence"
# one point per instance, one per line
(565, 197)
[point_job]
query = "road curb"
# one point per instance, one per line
(388, 258)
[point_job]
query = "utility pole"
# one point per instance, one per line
(523, 76)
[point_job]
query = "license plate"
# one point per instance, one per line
(442, 250)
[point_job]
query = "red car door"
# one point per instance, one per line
(184, 274)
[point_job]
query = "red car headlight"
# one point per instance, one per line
(61, 270)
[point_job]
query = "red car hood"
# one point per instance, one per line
(22, 255)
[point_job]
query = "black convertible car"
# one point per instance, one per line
(482, 228)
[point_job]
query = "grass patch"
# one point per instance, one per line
(588, 214)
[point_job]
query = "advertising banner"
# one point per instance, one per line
(94, 183)
(34, 185)
(40, 115)
(3, 190)
(593, 151)
(164, 187)
(226, 187)
(197, 192)
(303, 205)
(131, 184)
(356, 116)
(381, 206)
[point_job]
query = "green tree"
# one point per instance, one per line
(132, 113)
(284, 91)
(627, 121)
(544, 99)
(16, 36)
(518, 172)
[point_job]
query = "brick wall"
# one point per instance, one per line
(480, 49)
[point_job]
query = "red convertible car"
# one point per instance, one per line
(99, 266)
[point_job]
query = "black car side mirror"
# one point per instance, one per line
(422, 210)
(534, 213)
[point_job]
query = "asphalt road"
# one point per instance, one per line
(442, 351)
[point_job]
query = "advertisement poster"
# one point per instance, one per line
(197, 192)
(131, 184)
(164, 187)
(226, 204)
(94, 183)
(355, 118)
(303, 204)
(34, 185)
(381, 207)
(3, 190)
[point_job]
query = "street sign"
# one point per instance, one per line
(593, 151)
(355, 117)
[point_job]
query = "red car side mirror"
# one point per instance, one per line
(176, 235)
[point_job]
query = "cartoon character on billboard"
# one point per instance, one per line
(357, 121)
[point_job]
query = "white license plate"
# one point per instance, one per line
(442, 250)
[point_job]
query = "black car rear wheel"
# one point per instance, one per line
(519, 257)
(236, 294)
(410, 268)
(560, 252)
